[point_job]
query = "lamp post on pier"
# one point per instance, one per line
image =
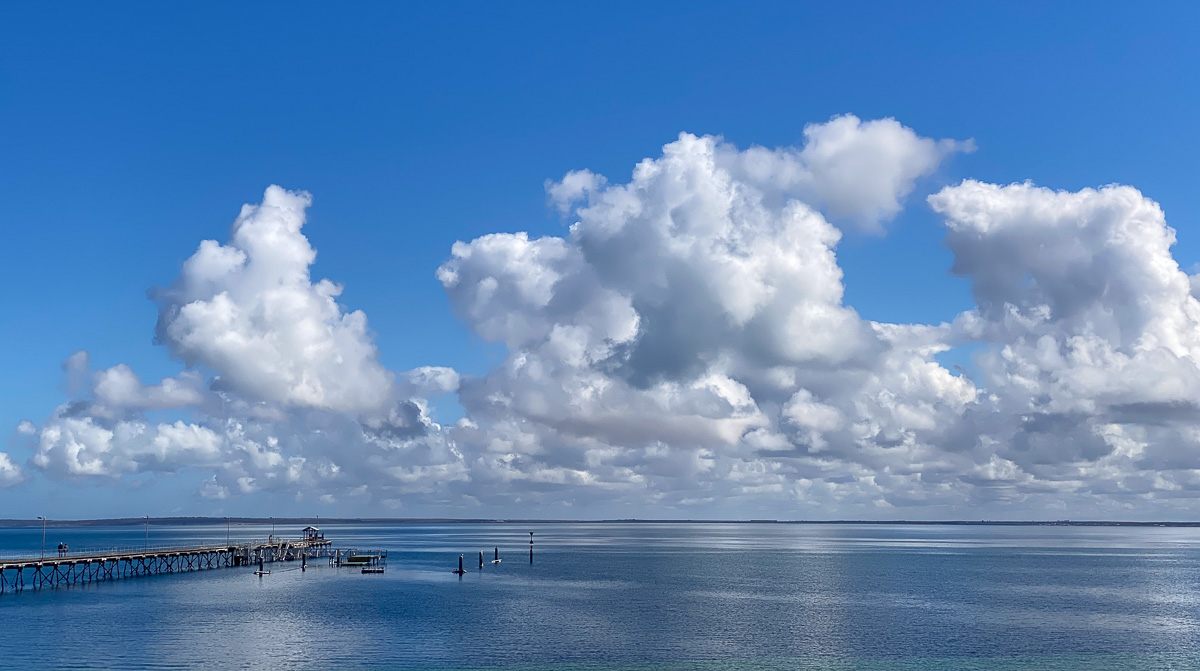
(227, 531)
(43, 519)
(272, 529)
(147, 518)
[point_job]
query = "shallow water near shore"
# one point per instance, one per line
(638, 597)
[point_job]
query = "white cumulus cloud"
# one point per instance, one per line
(1093, 335)
(688, 334)
(684, 348)
(249, 311)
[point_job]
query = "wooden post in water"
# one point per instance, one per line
(304, 560)
(481, 559)
(530, 547)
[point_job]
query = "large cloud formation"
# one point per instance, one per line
(684, 350)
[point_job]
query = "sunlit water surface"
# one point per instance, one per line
(638, 597)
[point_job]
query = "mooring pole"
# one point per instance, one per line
(530, 547)
(304, 560)
(481, 559)
(497, 557)
(260, 566)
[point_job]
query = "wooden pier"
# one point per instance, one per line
(78, 569)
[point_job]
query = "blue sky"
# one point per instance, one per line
(130, 133)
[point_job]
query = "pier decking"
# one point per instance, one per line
(93, 566)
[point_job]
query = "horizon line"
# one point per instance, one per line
(209, 519)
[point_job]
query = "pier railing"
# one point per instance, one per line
(54, 554)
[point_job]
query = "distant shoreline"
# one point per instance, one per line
(203, 521)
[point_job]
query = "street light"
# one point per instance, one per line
(43, 519)
(227, 531)
(147, 518)
(272, 529)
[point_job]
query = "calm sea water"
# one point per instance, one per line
(639, 597)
